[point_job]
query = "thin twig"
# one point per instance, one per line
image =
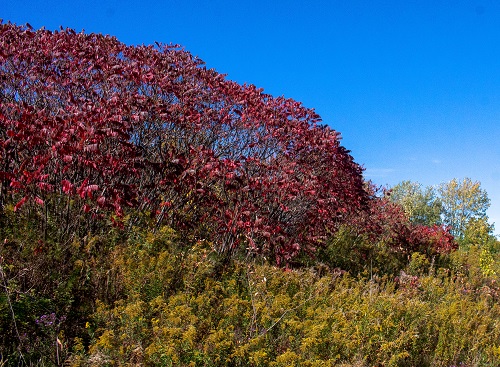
(254, 317)
(4, 281)
(284, 314)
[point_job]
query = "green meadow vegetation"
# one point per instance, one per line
(155, 298)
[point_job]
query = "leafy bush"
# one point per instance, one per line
(111, 127)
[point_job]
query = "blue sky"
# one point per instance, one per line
(412, 86)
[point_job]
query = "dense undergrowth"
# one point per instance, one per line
(140, 297)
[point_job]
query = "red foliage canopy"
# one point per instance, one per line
(151, 128)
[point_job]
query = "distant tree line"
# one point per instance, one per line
(459, 204)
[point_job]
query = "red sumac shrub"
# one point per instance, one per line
(383, 220)
(432, 240)
(151, 128)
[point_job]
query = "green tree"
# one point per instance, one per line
(463, 201)
(478, 232)
(421, 205)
